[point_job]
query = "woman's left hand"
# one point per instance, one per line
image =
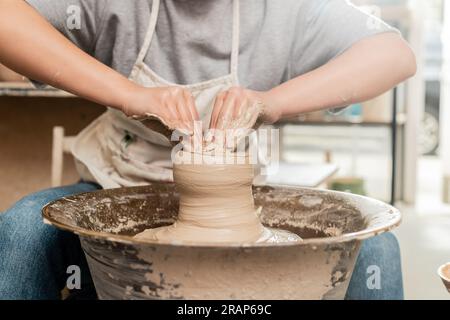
(240, 108)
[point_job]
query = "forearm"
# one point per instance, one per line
(31, 46)
(9, 75)
(366, 70)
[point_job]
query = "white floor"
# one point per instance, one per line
(425, 236)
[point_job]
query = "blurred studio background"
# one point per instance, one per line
(395, 148)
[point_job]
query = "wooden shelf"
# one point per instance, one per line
(401, 120)
(298, 174)
(26, 89)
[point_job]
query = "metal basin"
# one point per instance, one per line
(332, 225)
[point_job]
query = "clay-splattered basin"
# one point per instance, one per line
(332, 225)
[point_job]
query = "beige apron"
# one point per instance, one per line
(117, 151)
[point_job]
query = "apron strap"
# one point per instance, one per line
(235, 41)
(150, 32)
(234, 46)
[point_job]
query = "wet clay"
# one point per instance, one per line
(216, 205)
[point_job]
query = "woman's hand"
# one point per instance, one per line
(240, 108)
(22, 51)
(173, 106)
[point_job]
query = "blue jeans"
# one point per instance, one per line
(34, 257)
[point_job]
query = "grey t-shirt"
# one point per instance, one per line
(279, 40)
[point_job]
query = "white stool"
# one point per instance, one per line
(61, 145)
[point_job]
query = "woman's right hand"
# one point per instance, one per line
(173, 106)
(23, 52)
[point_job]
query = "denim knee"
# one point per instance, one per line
(22, 225)
(377, 274)
(32, 253)
(24, 219)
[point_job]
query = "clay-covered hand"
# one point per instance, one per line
(240, 108)
(173, 107)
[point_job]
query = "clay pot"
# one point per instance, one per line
(444, 273)
(332, 224)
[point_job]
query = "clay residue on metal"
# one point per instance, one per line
(307, 213)
(318, 268)
(113, 212)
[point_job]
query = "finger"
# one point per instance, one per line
(226, 112)
(254, 117)
(243, 116)
(197, 130)
(240, 112)
(228, 125)
(185, 120)
(257, 109)
(234, 124)
(190, 102)
(172, 114)
(247, 115)
(192, 114)
(183, 110)
(218, 105)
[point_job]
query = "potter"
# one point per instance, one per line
(228, 63)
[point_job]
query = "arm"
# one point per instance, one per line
(361, 73)
(7, 75)
(32, 47)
